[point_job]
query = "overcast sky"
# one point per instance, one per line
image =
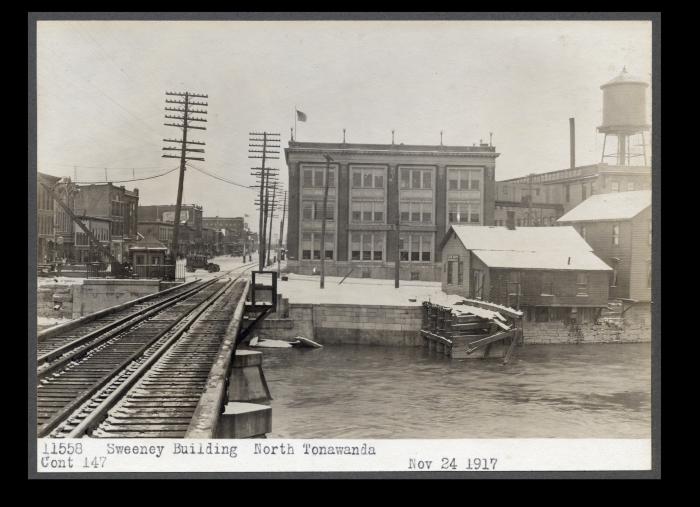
(101, 92)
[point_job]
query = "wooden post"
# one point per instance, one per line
(323, 222)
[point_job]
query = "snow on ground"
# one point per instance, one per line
(44, 281)
(361, 291)
(43, 323)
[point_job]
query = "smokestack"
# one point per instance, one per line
(572, 142)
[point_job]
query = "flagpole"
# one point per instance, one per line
(295, 122)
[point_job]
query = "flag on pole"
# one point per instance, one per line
(301, 116)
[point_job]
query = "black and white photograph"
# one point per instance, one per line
(285, 243)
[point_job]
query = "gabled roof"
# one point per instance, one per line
(613, 206)
(529, 247)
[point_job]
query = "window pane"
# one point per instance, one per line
(415, 216)
(378, 181)
(329, 212)
(329, 254)
(318, 178)
(404, 256)
(415, 179)
(405, 216)
(356, 179)
(463, 180)
(366, 216)
(427, 217)
(355, 255)
(317, 254)
(427, 179)
(453, 180)
(463, 216)
(475, 181)
(367, 180)
(306, 236)
(331, 178)
(405, 178)
(425, 256)
(356, 216)
(378, 216)
(475, 217)
(452, 216)
(378, 247)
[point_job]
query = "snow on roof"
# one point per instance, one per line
(521, 239)
(579, 260)
(614, 206)
(530, 247)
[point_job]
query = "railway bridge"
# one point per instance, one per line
(162, 366)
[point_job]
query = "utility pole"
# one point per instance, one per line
(267, 142)
(269, 232)
(529, 201)
(323, 222)
(397, 262)
(183, 122)
(279, 242)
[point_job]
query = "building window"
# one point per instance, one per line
(477, 287)
(462, 212)
(367, 246)
(416, 212)
(367, 211)
(311, 246)
(615, 186)
(583, 192)
(463, 179)
(616, 234)
(313, 210)
(416, 178)
(547, 284)
(313, 178)
(368, 178)
(416, 247)
(581, 284)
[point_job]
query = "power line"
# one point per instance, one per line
(126, 181)
(220, 178)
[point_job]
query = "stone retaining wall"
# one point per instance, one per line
(50, 297)
(348, 324)
(635, 328)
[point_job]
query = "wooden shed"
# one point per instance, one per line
(548, 272)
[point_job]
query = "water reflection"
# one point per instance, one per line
(574, 391)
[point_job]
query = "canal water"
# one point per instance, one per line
(547, 391)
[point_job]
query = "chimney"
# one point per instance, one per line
(510, 220)
(572, 142)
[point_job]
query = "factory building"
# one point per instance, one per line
(372, 188)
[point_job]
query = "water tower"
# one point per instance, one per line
(624, 118)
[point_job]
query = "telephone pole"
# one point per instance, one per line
(262, 145)
(279, 241)
(323, 222)
(272, 216)
(182, 121)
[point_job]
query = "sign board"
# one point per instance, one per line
(169, 216)
(453, 257)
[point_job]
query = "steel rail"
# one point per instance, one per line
(84, 395)
(95, 417)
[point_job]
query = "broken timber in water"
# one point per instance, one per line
(472, 328)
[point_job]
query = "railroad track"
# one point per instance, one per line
(46, 346)
(78, 376)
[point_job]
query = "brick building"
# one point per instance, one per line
(618, 227)
(234, 232)
(540, 199)
(84, 250)
(54, 225)
(161, 231)
(116, 204)
(190, 240)
(371, 188)
(548, 272)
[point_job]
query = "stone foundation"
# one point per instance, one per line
(635, 328)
